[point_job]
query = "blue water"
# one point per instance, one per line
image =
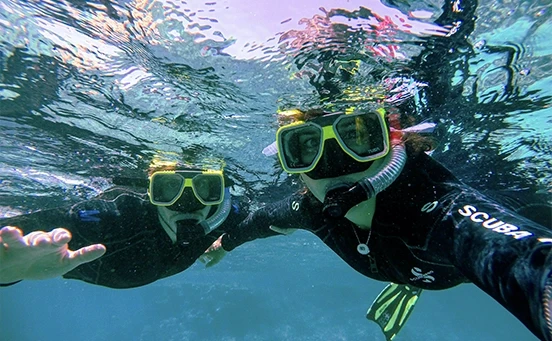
(278, 289)
(93, 90)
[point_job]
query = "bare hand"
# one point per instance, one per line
(213, 254)
(40, 255)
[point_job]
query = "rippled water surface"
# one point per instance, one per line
(93, 90)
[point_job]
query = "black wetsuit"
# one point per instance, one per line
(432, 232)
(139, 251)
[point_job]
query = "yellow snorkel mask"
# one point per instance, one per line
(363, 136)
(166, 187)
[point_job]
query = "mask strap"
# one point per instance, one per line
(426, 127)
(271, 149)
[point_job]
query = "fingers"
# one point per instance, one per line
(86, 254)
(11, 236)
(38, 238)
(205, 259)
(10, 233)
(55, 238)
(212, 258)
(10, 230)
(209, 254)
(14, 237)
(60, 236)
(284, 231)
(214, 261)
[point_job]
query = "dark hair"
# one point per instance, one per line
(416, 143)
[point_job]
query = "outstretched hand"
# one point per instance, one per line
(213, 254)
(40, 255)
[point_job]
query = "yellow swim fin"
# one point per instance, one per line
(392, 308)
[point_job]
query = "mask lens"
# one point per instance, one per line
(362, 134)
(208, 188)
(166, 188)
(300, 146)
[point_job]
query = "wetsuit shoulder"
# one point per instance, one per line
(406, 216)
(422, 194)
(116, 215)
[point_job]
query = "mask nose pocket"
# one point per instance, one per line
(187, 203)
(335, 162)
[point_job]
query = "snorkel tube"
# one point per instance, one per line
(220, 215)
(340, 200)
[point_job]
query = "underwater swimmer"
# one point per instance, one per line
(394, 214)
(127, 237)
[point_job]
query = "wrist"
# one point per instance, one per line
(225, 242)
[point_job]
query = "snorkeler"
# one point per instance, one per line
(395, 214)
(145, 235)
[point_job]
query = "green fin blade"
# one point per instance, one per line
(392, 308)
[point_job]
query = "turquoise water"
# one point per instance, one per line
(94, 90)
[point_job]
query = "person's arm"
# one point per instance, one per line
(273, 219)
(40, 255)
(35, 246)
(506, 255)
(279, 218)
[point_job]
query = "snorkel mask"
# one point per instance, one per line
(187, 190)
(361, 137)
(181, 194)
(334, 144)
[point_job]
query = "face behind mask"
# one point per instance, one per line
(187, 203)
(334, 162)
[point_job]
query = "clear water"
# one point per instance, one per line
(93, 90)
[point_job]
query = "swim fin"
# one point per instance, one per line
(392, 308)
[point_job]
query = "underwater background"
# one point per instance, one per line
(94, 90)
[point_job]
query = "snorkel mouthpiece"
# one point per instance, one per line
(188, 227)
(340, 200)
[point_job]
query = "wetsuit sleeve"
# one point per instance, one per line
(506, 255)
(45, 220)
(291, 212)
(90, 222)
(8, 284)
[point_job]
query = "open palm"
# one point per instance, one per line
(40, 255)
